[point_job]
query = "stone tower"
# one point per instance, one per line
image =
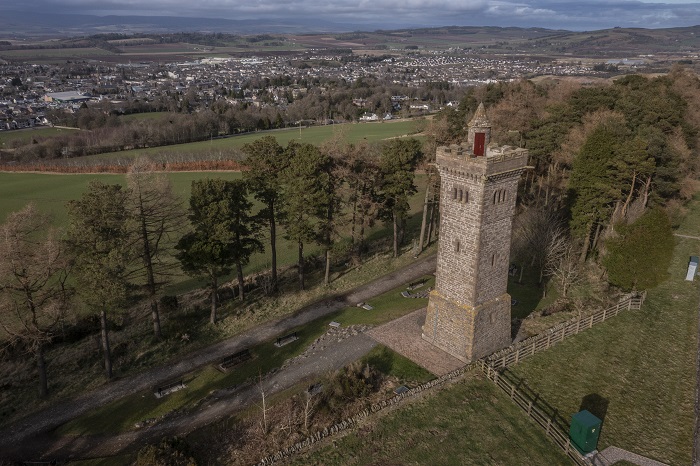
(469, 309)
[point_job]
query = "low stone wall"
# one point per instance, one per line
(490, 364)
(352, 421)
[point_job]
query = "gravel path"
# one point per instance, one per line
(220, 405)
(28, 434)
(612, 455)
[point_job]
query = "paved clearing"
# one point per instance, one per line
(403, 335)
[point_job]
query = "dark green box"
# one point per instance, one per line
(584, 431)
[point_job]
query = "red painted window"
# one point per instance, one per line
(479, 143)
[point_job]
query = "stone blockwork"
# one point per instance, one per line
(469, 310)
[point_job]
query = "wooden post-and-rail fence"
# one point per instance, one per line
(526, 348)
(533, 406)
(495, 369)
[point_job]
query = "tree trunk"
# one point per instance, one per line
(105, 343)
(423, 225)
(239, 271)
(214, 285)
(301, 265)
(150, 274)
(41, 367)
(647, 185)
(596, 236)
(361, 243)
(273, 245)
(327, 275)
(629, 196)
(155, 317)
(396, 235)
(613, 217)
(586, 243)
(522, 268)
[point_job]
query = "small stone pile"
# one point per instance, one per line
(332, 336)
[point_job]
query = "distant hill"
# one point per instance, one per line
(616, 42)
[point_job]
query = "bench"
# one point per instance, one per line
(233, 360)
(420, 294)
(417, 284)
(167, 388)
(281, 341)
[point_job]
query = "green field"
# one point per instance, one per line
(24, 136)
(52, 192)
(639, 365)
(353, 132)
(470, 423)
(53, 54)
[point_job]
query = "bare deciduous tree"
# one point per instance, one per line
(158, 217)
(33, 292)
(561, 261)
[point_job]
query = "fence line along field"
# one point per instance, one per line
(353, 132)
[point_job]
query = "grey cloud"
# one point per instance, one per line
(393, 14)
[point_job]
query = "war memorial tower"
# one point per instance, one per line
(469, 309)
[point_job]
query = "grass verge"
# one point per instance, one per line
(468, 423)
(640, 367)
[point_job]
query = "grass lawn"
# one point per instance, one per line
(354, 132)
(24, 136)
(51, 193)
(469, 423)
(640, 366)
(122, 414)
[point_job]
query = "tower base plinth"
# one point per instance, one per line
(467, 332)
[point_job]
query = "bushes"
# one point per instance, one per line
(169, 452)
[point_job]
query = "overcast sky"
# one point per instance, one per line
(396, 14)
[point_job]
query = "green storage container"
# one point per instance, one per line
(584, 431)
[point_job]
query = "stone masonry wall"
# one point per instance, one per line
(469, 310)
